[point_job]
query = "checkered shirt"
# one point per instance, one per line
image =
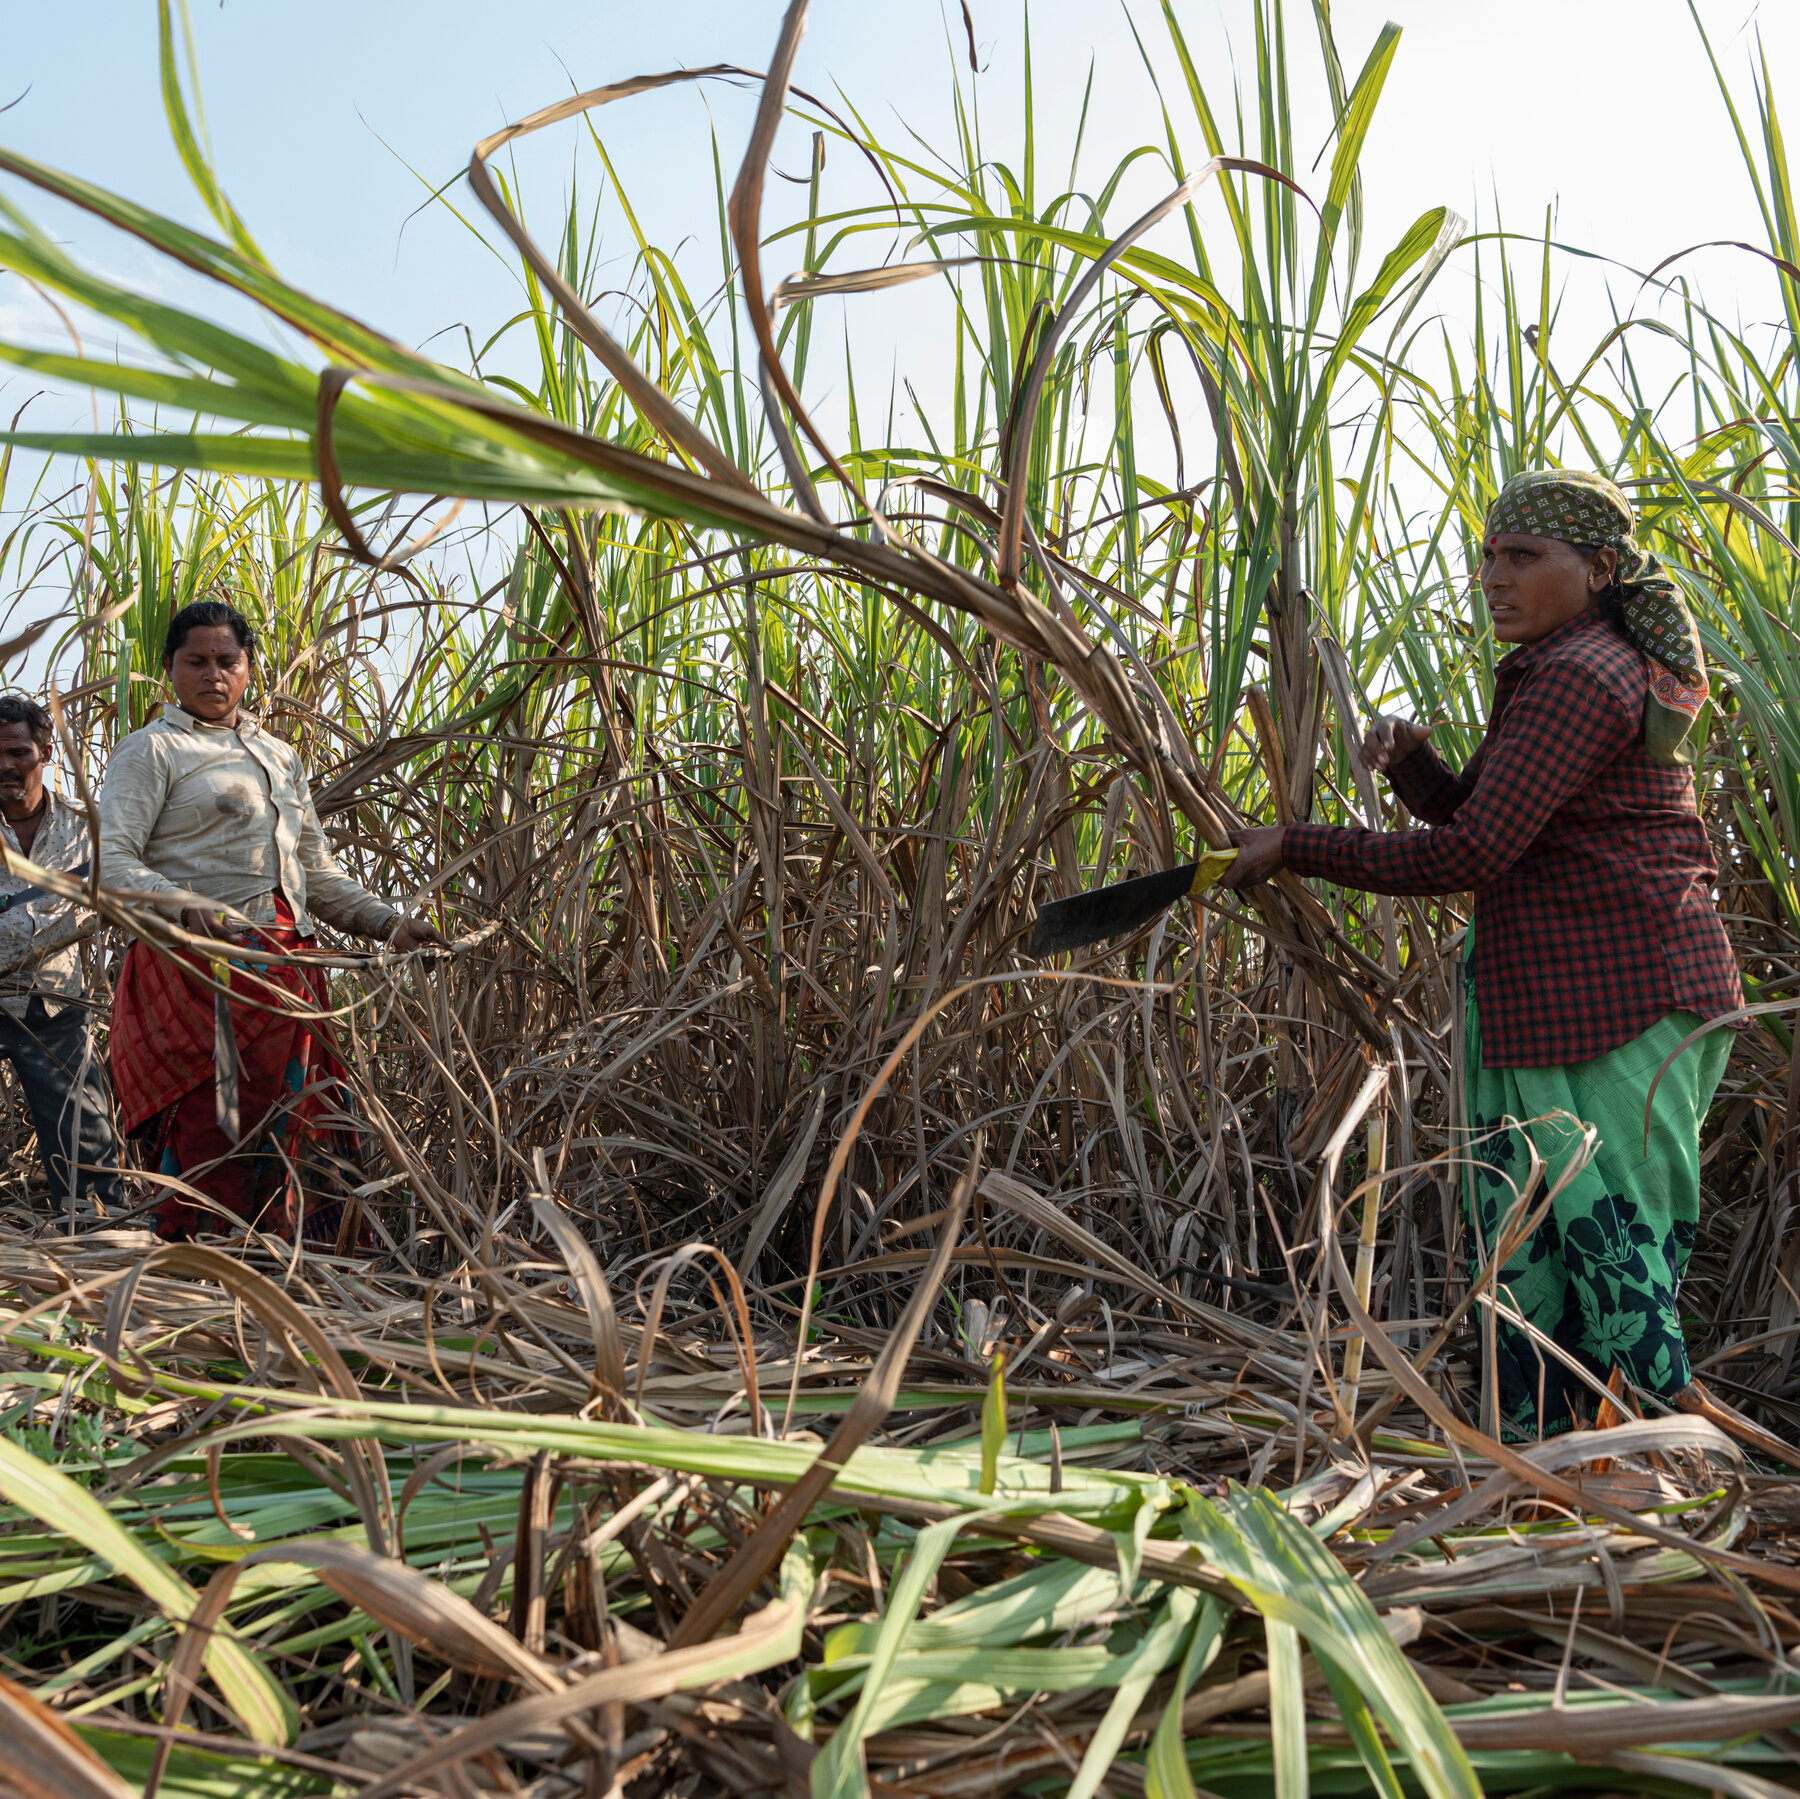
(1593, 880)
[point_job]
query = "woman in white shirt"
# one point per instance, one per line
(204, 807)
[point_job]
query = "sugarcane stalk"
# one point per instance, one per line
(1364, 1279)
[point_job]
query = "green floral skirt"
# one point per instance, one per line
(1601, 1275)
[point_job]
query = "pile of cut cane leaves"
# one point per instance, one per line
(296, 1528)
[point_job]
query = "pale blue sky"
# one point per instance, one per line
(1605, 103)
(1604, 107)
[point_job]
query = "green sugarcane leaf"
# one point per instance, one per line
(1359, 114)
(939, 1682)
(1130, 1543)
(1296, 1583)
(260, 1702)
(342, 336)
(1049, 1599)
(495, 473)
(1414, 247)
(1360, 1722)
(905, 1701)
(1163, 1643)
(1109, 1498)
(837, 1771)
(193, 157)
(212, 399)
(1287, 1710)
(1166, 1773)
(1023, 1670)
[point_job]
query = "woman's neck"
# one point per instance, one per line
(230, 722)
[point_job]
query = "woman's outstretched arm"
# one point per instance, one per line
(1560, 730)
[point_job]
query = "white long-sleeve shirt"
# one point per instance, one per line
(225, 812)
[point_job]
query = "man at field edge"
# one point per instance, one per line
(43, 996)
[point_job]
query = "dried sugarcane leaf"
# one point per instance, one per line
(419, 1609)
(784, 1183)
(864, 281)
(596, 1296)
(1605, 1729)
(768, 1638)
(21, 641)
(1530, 1476)
(1704, 1775)
(366, 1472)
(730, 1586)
(425, 1610)
(44, 1758)
(1040, 1212)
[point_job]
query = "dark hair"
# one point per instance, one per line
(1610, 600)
(16, 709)
(207, 615)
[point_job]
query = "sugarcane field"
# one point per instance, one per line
(934, 934)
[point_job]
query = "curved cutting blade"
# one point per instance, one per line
(1118, 910)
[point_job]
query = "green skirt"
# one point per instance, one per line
(1601, 1275)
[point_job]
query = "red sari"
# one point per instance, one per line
(162, 1067)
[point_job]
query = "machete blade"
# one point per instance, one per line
(1118, 910)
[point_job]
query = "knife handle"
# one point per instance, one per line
(1207, 870)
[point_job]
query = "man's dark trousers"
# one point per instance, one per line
(54, 1059)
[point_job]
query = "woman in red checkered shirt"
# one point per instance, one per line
(1596, 947)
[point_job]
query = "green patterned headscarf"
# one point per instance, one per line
(1574, 506)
